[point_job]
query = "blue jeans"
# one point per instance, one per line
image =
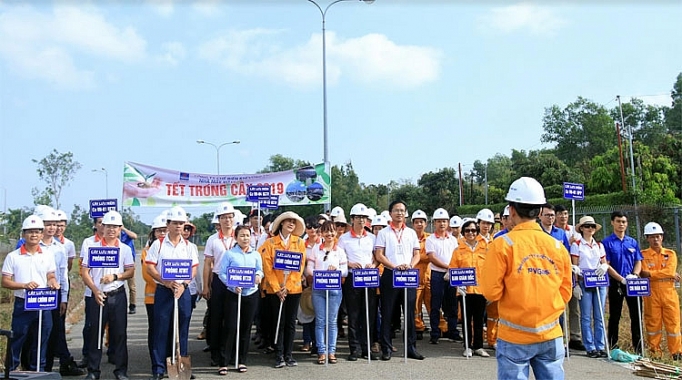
(22, 322)
(163, 326)
(546, 358)
(319, 304)
(590, 304)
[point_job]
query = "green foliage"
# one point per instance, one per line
(57, 170)
(280, 163)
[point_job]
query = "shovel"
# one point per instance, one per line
(178, 367)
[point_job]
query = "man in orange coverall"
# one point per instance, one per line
(663, 306)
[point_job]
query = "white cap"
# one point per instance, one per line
(177, 214)
(48, 214)
(419, 214)
(159, 221)
(224, 208)
(440, 213)
(526, 190)
(456, 221)
(379, 220)
(653, 228)
(486, 215)
(112, 217)
(62, 216)
(32, 222)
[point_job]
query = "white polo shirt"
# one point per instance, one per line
(335, 257)
(27, 267)
(62, 263)
(69, 247)
(359, 248)
(216, 245)
(589, 254)
(442, 248)
(87, 243)
(398, 245)
(163, 249)
(125, 261)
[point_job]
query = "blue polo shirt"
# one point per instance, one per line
(622, 254)
(558, 234)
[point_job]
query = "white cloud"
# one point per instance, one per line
(207, 8)
(656, 100)
(173, 53)
(522, 16)
(43, 44)
(164, 8)
(370, 59)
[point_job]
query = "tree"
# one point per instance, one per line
(57, 170)
(280, 163)
(439, 189)
(673, 115)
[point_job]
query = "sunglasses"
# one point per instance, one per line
(472, 230)
(312, 226)
(589, 226)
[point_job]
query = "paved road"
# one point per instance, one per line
(442, 361)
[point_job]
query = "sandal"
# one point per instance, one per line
(222, 371)
(242, 368)
(321, 358)
(269, 350)
(332, 359)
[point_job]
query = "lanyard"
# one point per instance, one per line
(398, 237)
(222, 237)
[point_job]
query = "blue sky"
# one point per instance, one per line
(412, 86)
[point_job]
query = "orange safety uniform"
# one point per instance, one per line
(663, 306)
(523, 271)
(149, 283)
(465, 257)
(273, 279)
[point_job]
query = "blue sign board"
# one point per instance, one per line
(592, 280)
(327, 280)
(463, 277)
(272, 203)
(241, 277)
(99, 207)
(575, 191)
(366, 278)
(176, 269)
(285, 260)
(406, 278)
(638, 287)
(103, 257)
(255, 193)
(41, 299)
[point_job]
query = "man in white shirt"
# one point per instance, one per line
(397, 248)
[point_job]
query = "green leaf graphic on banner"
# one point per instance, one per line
(136, 202)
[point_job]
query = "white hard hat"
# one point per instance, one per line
(224, 208)
(526, 190)
(215, 220)
(159, 221)
(112, 217)
(506, 211)
(379, 220)
(456, 222)
(62, 215)
(419, 214)
(467, 220)
(238, 217)
(653, 228)
(486, 215)
(177, 214)
(40, 208)
(440, 213)
(32, 222)
(359, 209)
(386, 215)
(336, 211)
(48, 214)
(371, 213)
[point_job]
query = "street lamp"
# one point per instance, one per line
(217, 149)
(106, 179)
(323, 13)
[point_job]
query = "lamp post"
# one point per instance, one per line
(106, 180)
(323, 13)
(217, 149)
(632, 167)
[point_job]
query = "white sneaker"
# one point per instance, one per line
(467, 353)
(482, 352)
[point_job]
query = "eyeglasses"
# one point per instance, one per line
(497, 220)
(589, 226)
(549, 215)
(470, 230)
(399, 211)
(326, 253)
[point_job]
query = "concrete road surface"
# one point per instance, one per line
(443, 361)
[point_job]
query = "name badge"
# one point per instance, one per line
(406, 278)
(241, 277)
(326, 280)
(592, 280)
(176, 269)
(463, 277)
(366, 278)
(40, 299)
(285, 260)
(103, 257)
(638, 287)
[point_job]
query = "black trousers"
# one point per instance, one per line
(357, 324)
(287, 328)
(216, 320)
(114, 313)
(56, 345)
(617, 292)
(475, 310)
(389, 297)
(248, 311)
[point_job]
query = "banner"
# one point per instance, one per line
(145, 185)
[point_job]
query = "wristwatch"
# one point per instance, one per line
(185, 285)
(115, 277)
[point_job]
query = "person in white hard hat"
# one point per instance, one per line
(188, 230)
(455, 227)
(26, 268)
(423, 299)
(378, 223)
(531, 289)
(69, 246)
(213, 290)
(358, 245)
(172, 246)
(397, 247)
(506, 223)
(486, 220)
(107, 290)
(158, 231)
(659, 265)
(439, 248)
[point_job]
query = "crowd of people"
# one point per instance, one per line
(530, 268)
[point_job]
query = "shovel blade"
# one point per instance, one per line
(181, 370)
